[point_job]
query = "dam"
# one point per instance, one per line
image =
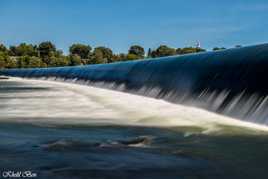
(142, 119)
(230, 82)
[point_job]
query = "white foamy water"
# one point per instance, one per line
(68, 103)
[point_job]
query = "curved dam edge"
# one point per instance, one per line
(230, 82)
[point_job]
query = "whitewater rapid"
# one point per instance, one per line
(67, 103)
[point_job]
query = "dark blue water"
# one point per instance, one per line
(97, 152)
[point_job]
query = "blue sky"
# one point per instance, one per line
(120, 23)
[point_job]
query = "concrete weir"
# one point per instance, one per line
(230, 82)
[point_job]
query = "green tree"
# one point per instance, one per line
(11, 63)
(23, 61)
(132, 57)
(200, 49)
(61, 61)
(3, 48)
(12, 51)
(163, 51)
(187, 50)
(3, 59)
(30, 62)
(137, 51)
(218, 48)
(35, 62)
(97, 57)
(119, 57)
(58, 53)
(102, 55)
(23, 50)
(80, 49)
(178, 51)
(2, 62)
(46, 50)
(6, 61)
(122, 57)
(75, 60)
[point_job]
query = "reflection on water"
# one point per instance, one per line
(68, 131)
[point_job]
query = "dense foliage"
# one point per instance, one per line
(46, 54)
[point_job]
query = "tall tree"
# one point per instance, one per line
(136, 50)
(12, 51)
(3, 48)
(102, 55)
(46, 51)
(80, 49)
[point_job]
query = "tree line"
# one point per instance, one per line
(46, 54)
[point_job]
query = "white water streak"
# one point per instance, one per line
(77, 104)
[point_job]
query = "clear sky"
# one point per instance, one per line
(120, 23)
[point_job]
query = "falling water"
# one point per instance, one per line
(230, 82)
(93, 106)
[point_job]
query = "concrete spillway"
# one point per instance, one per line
(230, 82)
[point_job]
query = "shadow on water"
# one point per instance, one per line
(17, 87)
(22, 89)
(131, 152)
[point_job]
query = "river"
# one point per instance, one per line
(65, 130)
